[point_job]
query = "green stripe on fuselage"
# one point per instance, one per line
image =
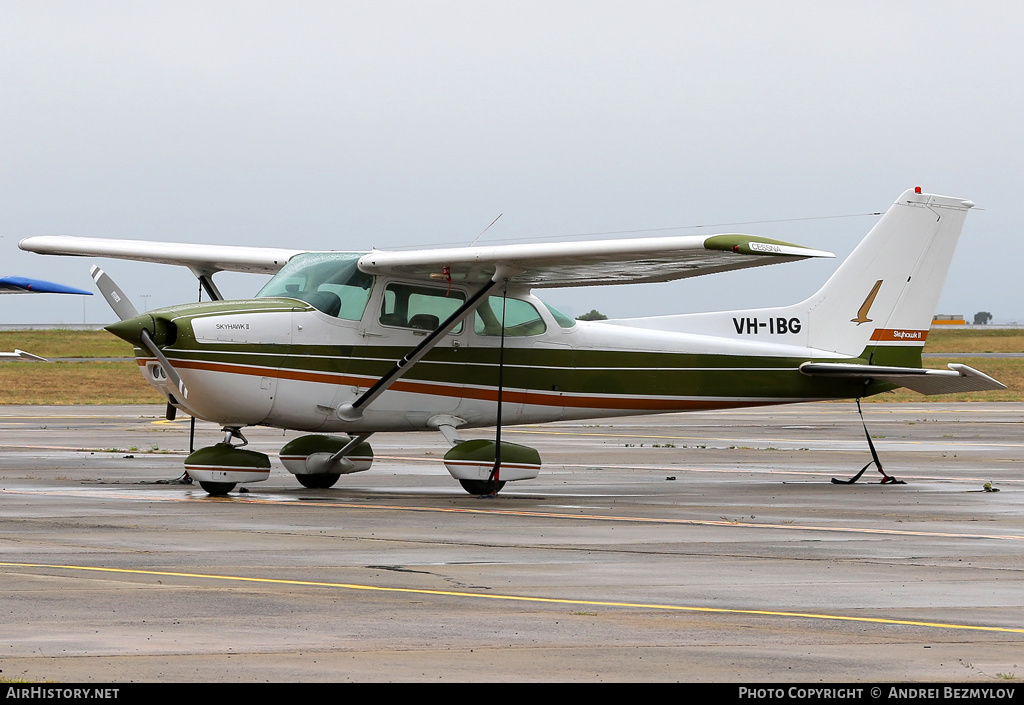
(542, 370)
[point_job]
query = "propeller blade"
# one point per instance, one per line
(113, 294)
(124, 310)
(172, 374)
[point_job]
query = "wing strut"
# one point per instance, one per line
(501, 388)
(353, 411)
(205, 277)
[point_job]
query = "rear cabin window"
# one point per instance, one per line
(563, 320)
(521, 318)
(419, 307)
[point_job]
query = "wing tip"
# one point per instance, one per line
(755, 245)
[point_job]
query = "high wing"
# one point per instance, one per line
(536, 265)
(27, 285)
(202, 258)
(592, 262)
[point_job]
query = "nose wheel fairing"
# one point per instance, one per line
(218, 468)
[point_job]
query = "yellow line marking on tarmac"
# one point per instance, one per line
(518, 598)
(149, 497)
(135, 417)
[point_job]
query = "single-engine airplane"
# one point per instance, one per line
(345, 344)
(27, 285)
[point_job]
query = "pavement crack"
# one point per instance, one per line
(398, 569)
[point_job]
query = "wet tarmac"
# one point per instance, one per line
(691, 547)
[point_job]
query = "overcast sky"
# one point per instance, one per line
(349, 125)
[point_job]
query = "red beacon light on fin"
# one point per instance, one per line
(917, 189)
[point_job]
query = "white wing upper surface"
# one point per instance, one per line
(559, 264)
(593, 262)
(204, 258)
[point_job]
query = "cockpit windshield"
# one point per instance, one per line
(329, 281)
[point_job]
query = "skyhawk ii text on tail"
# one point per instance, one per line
(344, 344)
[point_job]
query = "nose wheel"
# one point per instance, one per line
(220, 467)
(217, 489)
(318, 482)
(482, 487)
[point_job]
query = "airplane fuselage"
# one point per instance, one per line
(282, 362)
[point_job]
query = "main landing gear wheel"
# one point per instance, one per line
(217, 489)
(482, 487)
(318, 482)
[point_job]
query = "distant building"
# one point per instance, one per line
(949, 320)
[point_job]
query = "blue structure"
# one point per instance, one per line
(26, 285)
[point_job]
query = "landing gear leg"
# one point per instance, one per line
(234, 432)
(886, 479)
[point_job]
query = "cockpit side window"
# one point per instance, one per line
(419, 307)
(330, 281)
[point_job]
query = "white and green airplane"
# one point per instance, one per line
(345, 344)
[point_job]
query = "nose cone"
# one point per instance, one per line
(130, 329)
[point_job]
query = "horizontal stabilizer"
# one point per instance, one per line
(958, 378)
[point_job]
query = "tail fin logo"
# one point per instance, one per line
(862, 312)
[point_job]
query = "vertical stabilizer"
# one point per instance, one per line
(881, 300)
